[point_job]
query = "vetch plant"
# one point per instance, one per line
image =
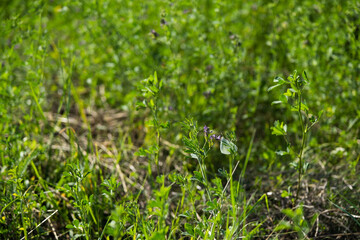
(150, 89)
(81, 201)
(293, 98)
(198, 152)
(226, 208)
(158, 208)
(198, 149)
(298, 222)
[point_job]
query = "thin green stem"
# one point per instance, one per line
(289, 144)
(157, 129)
(175, 221)
(204, 177)
(23, 219)
(232, 191)
(302, 145)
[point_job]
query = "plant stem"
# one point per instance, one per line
(23, 219)
(158, 135)
(302, 145)
(204, 177)
(156, 125)
(232, 191)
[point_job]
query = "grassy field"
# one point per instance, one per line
(168, 119)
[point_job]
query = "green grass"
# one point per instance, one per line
(153, 120)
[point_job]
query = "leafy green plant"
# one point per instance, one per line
(81, 224)
(150, 90)
(298, 222)
(225, 206)
(293, 98)
(198, 151)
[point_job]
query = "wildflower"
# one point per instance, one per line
(216, 137)
(163, 22)
(206, 130)
(154, 33)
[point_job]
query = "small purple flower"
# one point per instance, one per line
(154, 33)
(216, 137)
(206, 130)
(163, 22)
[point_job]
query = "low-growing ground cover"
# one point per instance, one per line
(179, 119)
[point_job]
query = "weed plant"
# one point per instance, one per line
(294, 98)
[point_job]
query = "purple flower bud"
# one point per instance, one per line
(163, 22)
(154, 33)
(215, 137)
(206, 129)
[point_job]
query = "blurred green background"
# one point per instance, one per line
(216, 58)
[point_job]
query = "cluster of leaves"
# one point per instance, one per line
(294, 98)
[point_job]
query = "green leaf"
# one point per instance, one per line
(151, 104)
(185, 215)
(280, 80)
(289, 92)
(189, 229)
(69, 226)
(281, 153)
(141, 152)
(140, 105)
(76, 223)
(283, 98)
(279, 129)
(212, 205)
(273, 87)
(197, 176)
(282, 226)
(158, 235)
(296, 108)
(276, 102)
(165, 125)
(304, 75)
